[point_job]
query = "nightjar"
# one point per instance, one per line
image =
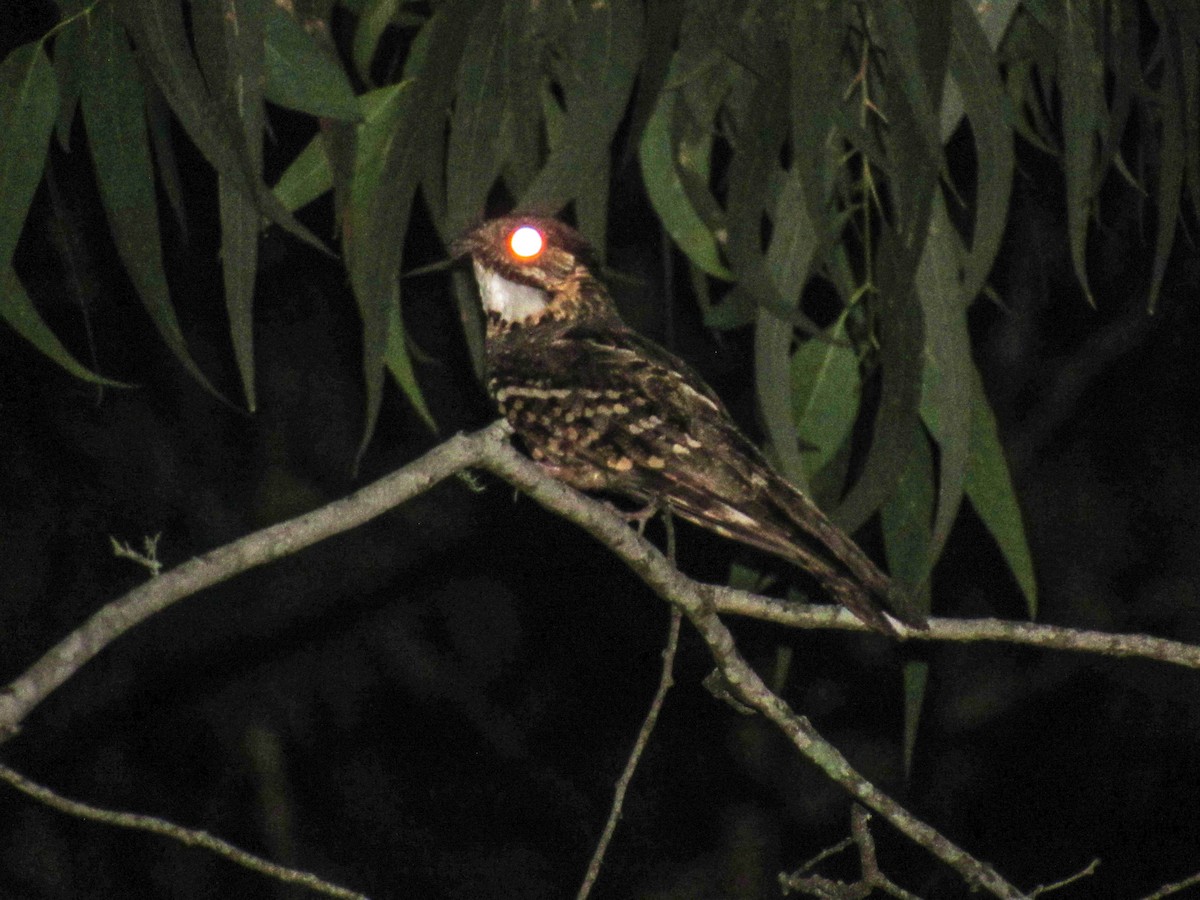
(604, 409)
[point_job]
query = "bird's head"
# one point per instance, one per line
(533, 269)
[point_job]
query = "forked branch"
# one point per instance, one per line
(489, 449)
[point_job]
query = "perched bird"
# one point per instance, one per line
(604, 409)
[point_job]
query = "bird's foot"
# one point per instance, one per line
(637, 517)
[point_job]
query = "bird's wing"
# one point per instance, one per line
(660, 434)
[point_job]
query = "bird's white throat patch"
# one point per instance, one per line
(511, 300)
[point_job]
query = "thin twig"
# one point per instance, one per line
(1168, 889)
(191, 837)
(665, 680)
(1086, 872)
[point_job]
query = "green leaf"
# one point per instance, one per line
(70, 68)
(375, 17)
(28, 103)
(989, 488)
(158, 121)
(601, 62)
(1044, 11)
(917, 35)
(383, 191)
(113, 112)
(230, 45)
(1171, 161)
(309, 176)
(816, 35)
(789, 259)
(524, 66)
(1081, 80)
(668, 197)
(752, 171)
(299, 74)
(399, 363)
(1126, 81)
(969, 23)
(241, 221)
(916, 683)
(914, 73)
(18, 311)
(946, 381)
(907, 523)
(474, 153)
(158, 30)
(901, 344)
(930, 23)
(702, 98)
(661, 30)
(306, 178)
(826, 391)
(986, 104)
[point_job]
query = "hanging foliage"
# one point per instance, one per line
(780, 144)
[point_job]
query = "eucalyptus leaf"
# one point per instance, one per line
(1172, 164)
(231, 45)
(309, 175)
(158, 123)
(907, 523)
(19, 312)
(70, 68)
(1084, 115)
(399, 363)
(901, 344)
(826, 393)
(789, 260)
(373, 18)
(299, 75)
(113, 113)
(473, 154)
(601, 62)
(990, 490)
(987, 107)
(384, 187)
(668, 197)
(816, 39)
(946, 381)
(158, 30)
(28, 104)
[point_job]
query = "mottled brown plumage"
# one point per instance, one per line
(604, 409)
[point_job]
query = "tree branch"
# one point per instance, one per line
(190, 837)
(115, 618)
(1049, 637)
(489, 449)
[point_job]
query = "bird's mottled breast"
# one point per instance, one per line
(594, 415)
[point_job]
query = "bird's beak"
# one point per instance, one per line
(462, 247)
(467, 243)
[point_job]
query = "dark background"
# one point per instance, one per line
(438, 703)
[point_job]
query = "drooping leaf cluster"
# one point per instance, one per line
(782, 144)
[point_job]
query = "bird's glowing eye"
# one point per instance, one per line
(526, 242)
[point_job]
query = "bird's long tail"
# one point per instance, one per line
(843, 569)
(782, 521)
